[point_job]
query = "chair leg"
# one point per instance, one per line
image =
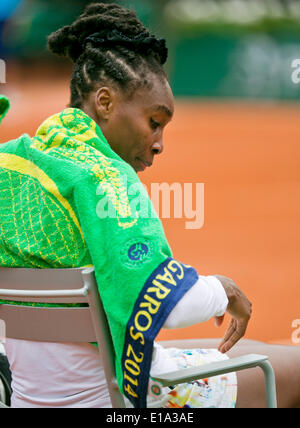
(270, 384)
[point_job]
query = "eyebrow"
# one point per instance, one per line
(165, 109)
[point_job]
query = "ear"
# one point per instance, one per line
(104, 102)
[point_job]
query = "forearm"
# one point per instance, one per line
(206, 299)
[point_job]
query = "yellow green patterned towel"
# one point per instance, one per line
(67, 200)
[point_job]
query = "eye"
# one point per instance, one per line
(154, 124)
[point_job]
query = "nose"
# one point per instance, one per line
(158, 146)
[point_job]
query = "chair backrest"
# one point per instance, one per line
(87, 323)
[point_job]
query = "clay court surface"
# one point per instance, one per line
(248, 157)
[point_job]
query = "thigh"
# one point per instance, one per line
(285, 361)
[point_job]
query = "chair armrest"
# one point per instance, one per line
(221, 367)
(212, 369)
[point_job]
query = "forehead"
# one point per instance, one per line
(157, 97)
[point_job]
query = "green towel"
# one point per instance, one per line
(4, 106)
(68, 200)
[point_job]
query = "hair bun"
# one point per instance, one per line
(106, 23)
(63, 43)
(141, 43)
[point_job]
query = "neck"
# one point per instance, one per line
(87, 109)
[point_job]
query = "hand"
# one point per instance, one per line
(240, 310)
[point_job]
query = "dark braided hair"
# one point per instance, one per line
(108, 44)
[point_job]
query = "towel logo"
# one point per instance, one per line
(154, 388)
(137, 252)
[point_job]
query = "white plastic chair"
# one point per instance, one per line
(89, 324)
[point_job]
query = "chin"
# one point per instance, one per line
(136, 167)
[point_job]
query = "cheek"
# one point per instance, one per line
(141, 138)
(135, 136)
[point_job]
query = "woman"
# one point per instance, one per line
(76, 200)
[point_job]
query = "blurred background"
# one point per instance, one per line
(236, 129)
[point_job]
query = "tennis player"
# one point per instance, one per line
(67, 201)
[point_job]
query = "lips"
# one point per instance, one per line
(144, 164)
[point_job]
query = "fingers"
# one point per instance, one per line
(228, 334)
(234, 333)
(219, 320)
